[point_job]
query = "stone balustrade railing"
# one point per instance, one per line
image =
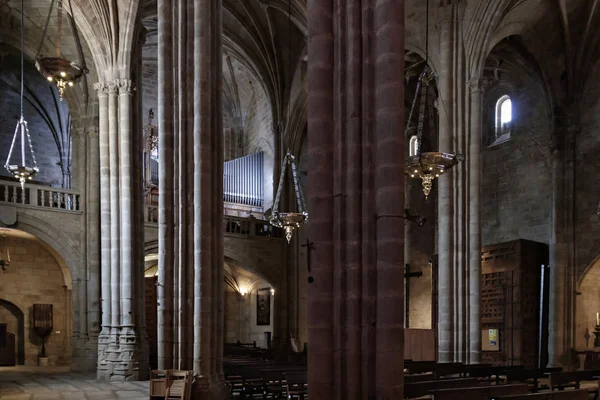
(231, 225)
(40, 196)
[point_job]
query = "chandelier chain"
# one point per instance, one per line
(22, 56)
(39, 53)
(59, 27)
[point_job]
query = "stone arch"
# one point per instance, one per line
(18, 313)
(60, 246)
(587, 304)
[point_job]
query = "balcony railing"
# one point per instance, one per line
(231, 225)
(39, 196)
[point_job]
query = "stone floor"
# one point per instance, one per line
(52, 385)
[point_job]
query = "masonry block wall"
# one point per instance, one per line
(516, 175)
(587, 176)
(34, 276)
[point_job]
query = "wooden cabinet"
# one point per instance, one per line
(511, 281)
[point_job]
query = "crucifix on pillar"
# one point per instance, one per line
(309, 247)
(407, 276)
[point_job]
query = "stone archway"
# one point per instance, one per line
(20, 328)
(587, 305)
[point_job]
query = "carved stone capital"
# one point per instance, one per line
(125, 86)
(113, 88)
(479, 85)
(101, 88)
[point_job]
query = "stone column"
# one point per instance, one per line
(115, 225)
(446, 289)
(165, 178)
(477, 87)
(356, 199)
(105, 223)
(208, 200)
(126, 207)
(562, 266)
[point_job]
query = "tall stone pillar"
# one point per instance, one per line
(105, 223)
(562, 268)
(477, 87)
(356, 198)
(165, 184)
(121, 354)
(446, 279)
(191, 194)
(208, 200)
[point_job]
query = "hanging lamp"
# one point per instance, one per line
(62, 71)
(21, 170)
(426, 166)
(289, 220)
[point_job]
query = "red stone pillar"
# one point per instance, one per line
(356, 196)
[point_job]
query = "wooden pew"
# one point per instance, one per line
(562, 380)
(419, 389)
(297, 385)
(479, 393)
(581, 394)
(530, 376)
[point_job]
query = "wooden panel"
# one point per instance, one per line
(419, 344)
(510, 287)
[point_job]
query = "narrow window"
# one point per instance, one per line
(503, 117)
(413, 146)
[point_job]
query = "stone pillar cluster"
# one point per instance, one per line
(562, 245)
(190, 270)
(459, 206)
(122, 347)
(356, 196)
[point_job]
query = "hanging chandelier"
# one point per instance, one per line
(426, 166)
(289, 220)
(63, 72)
(21, 170)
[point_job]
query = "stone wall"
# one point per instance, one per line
(516, 175)
(149, 90)
(35, 276)
(240, 317)
(587, 178)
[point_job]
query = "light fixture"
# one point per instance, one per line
(272, 292)
(426, 166)
(243, 291)
(289, 220)
(63, 72)
(21, 170)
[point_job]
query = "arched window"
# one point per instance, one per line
(503, 117)
(413, 146)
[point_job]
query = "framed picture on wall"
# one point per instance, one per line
(263, 307)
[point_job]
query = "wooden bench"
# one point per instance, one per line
(297, 385)
(420, 389)
(563, 395)
(479, 392)
(530, 376)
(179, 385)
(573, 379)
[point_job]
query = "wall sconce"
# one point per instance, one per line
(243, 291)
(272, 292)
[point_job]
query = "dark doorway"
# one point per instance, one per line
(20, 334)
